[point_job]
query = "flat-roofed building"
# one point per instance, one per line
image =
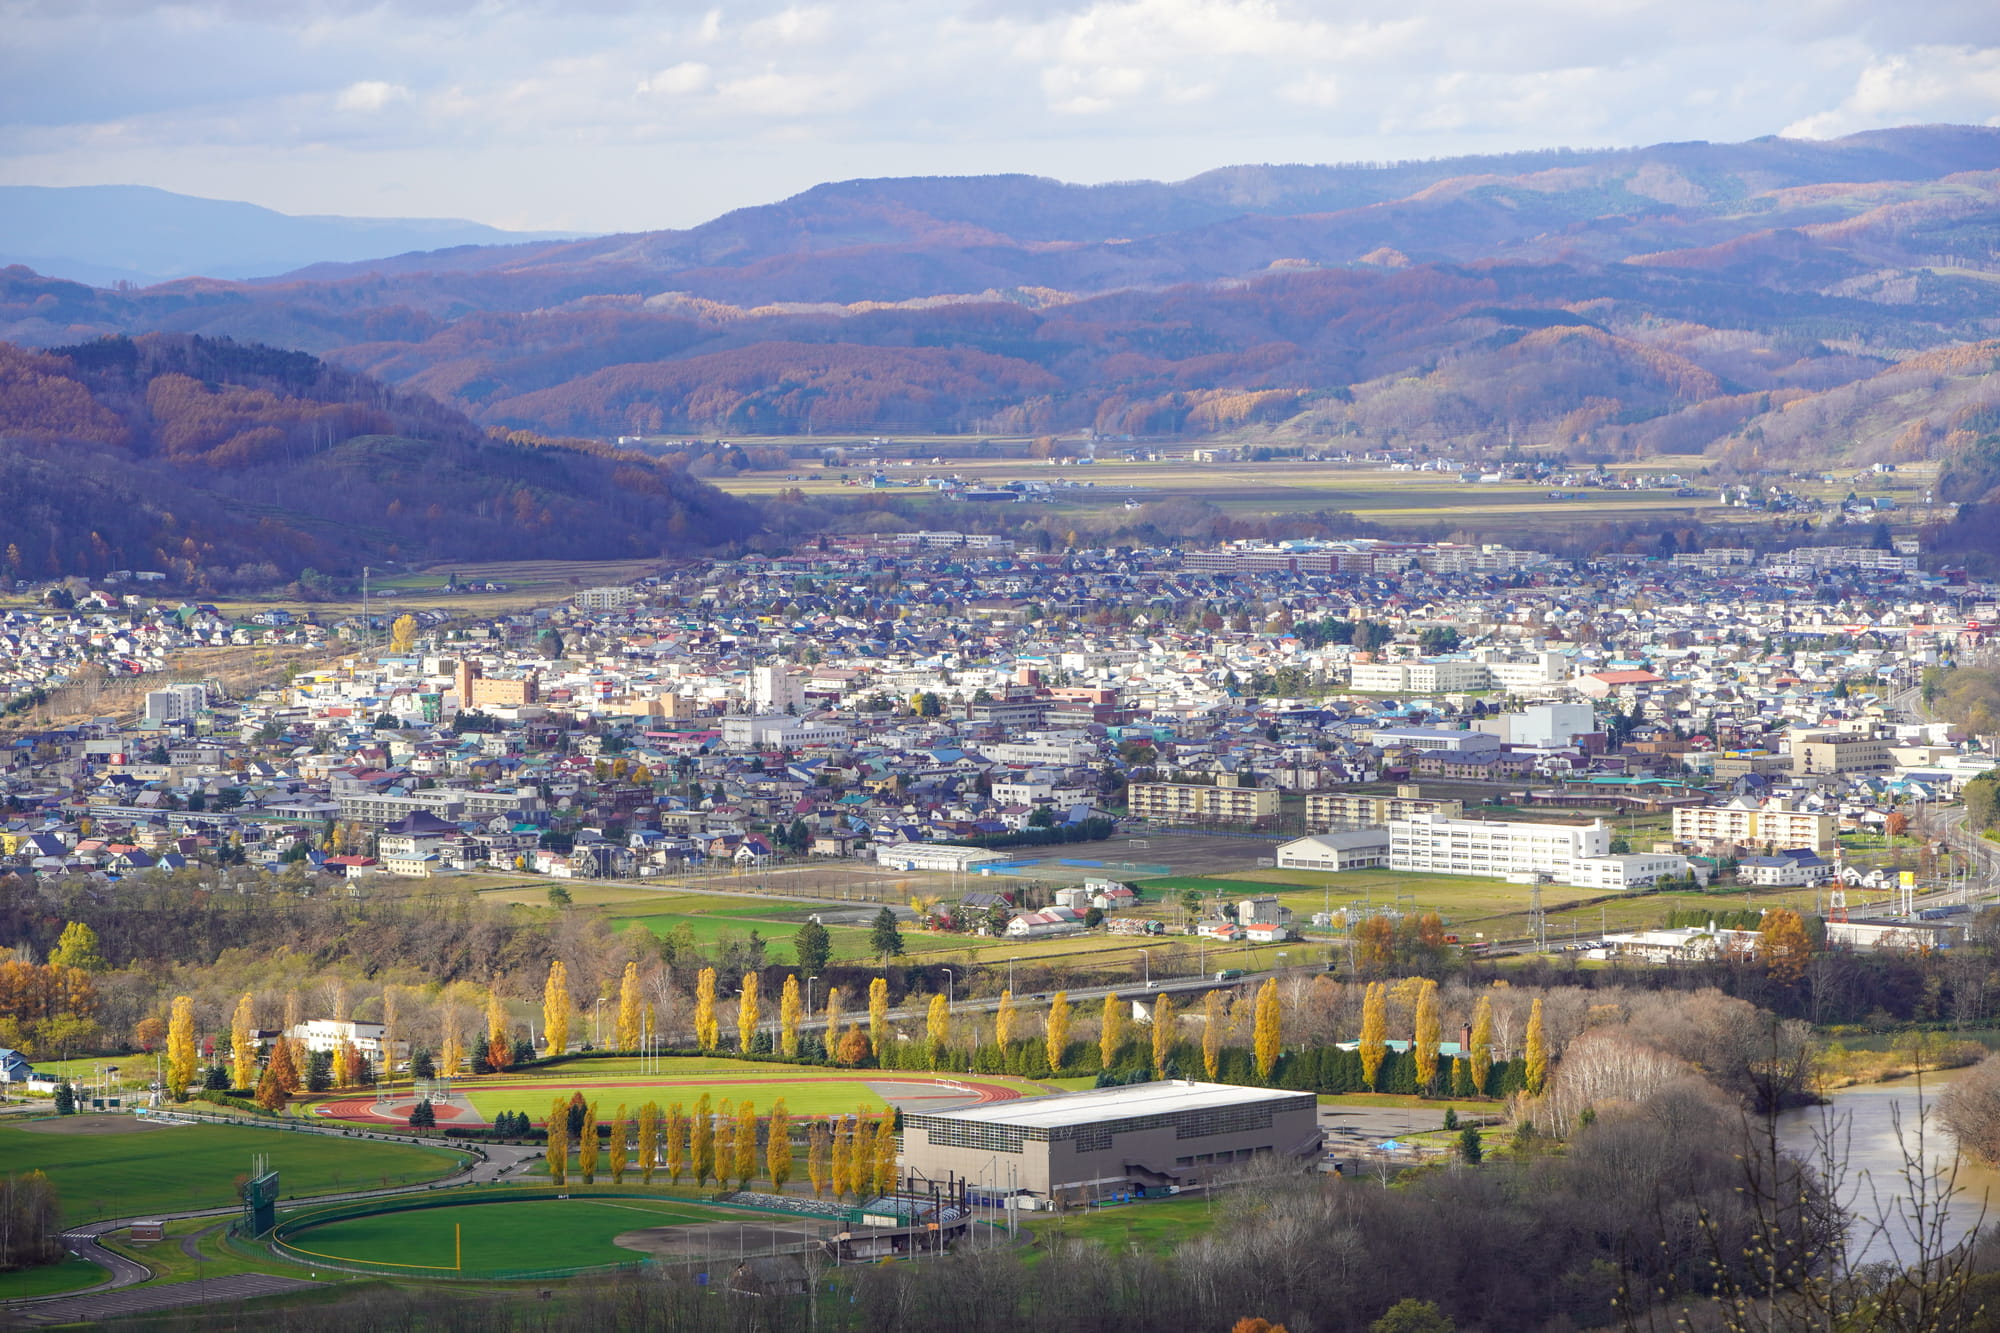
(1837, 753)
(1326, 810)
(1745, 823)
(1193, 801)
(1106, 1140)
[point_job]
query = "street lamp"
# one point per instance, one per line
(809, 994)
(600, 1022)
(950, 990)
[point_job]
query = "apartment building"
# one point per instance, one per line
(376, 808)
(1189, 801)
(1448, 676)
(1744, 823)
(1834, 752)
(1329, 810)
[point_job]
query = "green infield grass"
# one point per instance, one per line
(72, 1274)
(519, 1235)
(120, 1166)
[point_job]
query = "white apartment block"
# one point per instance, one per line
(784, 729)
(1744, 823)
(606, 599)
(1447, 676)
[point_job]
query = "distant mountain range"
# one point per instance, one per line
(1770, 303)
(106, 234)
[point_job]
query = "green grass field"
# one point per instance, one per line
(72, 1274)
(140, 1171)
(1155, 1224)
(806, 1091)
(518, 1234)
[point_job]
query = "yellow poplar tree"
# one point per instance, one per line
(631, 1002)
(1058, 1031)
(621, 1128)
(843, 1159)
(707, 1031)
(1213, 1021)
(1374, 1031)
(649, 1141)
(243, 1045)
(937, 1028)
(885, 1153)
(677, 1143)
(556, 1006)
(556, 1153)
(817, 1143)
(778, 1147)
(747, 1014)
(832, 1018)
(1426, 1044)
(790, 1010)
(402, 633)
(744, 1163)
(344, 1072)
(499, 1051)
(1482, 1045)
(1111, 1031)
(878, 1014)
(1003, 1021)
(180, 1048)
(586, 1144)
(1535, 1050)
(701, 1141)
(1267, 1036)
(1163, 1034)
(389, 1029)
(451, 1050)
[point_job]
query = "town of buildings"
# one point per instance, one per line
(908, 699)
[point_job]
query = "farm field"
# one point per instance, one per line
(520, 1234)
(120, 1166)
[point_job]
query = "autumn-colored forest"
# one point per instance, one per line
(229, 465)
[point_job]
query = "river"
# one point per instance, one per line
(1865, 1123)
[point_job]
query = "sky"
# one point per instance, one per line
(602, 115)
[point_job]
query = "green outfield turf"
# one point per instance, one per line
(518, 1235)
(109, 1166)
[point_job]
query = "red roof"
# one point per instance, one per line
(1626, 677)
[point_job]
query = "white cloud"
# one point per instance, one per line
(689, 76)
(792, 27)
(1926, 83)
(370, 95)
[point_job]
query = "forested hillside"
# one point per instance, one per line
(1773, 303)
(232, 465)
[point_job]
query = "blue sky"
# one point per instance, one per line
(603, 115)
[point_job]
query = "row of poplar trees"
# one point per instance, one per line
(849, 1155)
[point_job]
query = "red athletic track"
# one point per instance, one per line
(397, 1112)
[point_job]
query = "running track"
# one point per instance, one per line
(397, 1112)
